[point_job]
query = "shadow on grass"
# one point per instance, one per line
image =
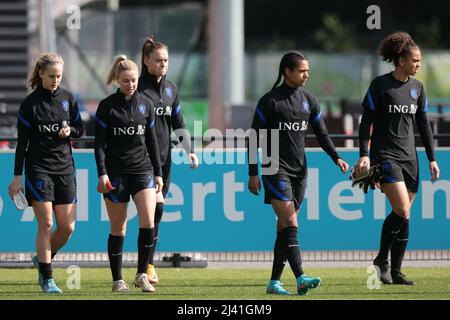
(381, 293)
(227, 285)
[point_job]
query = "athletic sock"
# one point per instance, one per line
(279, 258)
(158, 215)
(398, 248)
(290, 240)
(391, 228)
(46, 270)
(145, 243)
(115, 249)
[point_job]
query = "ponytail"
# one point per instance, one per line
(280, 73)
(396, 45)
(121, 63)
(150, 44)
(44, 60)
(290, 60)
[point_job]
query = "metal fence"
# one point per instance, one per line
(203, 259)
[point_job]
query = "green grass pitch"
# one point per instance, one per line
(227, 284)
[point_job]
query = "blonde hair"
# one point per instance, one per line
(44, 60)
(121, 63)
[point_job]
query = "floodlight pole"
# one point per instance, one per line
(226, 72)
(47, 34)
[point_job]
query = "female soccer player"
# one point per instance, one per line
(164, 95)
(288, 109)
(48, 118)
(128, 163)
(392, 102)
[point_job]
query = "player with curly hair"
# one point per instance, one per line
(392, 103)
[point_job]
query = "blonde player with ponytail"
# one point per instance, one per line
(128, 164)
(48, 119)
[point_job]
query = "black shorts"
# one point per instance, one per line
(166, 175)
(407, 171)
(127, 185)
(55, 188)
(284, 188)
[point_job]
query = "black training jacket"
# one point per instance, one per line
(164, 96)
(391, 106)
(41, 116)
(290, 111)
(125, 139)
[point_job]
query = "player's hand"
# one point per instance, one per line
(193, 160)
(434, 170)
(342, 165)
(15, 186)
(64, 132)
(159, 184)
(363, 162)
(254, 185)
(104, 185)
